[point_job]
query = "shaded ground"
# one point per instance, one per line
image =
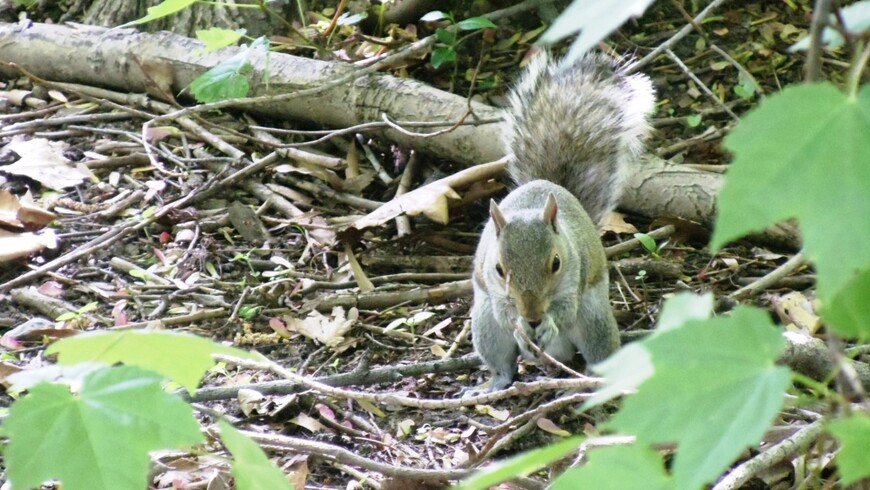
(203, 274)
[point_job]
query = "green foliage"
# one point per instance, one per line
(522, 464)
(804, 154)
(229, 79)
(163, 9)
(853, 460)
(715, 390)
(448, 38)
(217, 38)
(848, 312)
(98, 438)
(617, 468)
(594, 20)
(252, 470)
(75, 315)
(648, 243)
(184, 358)
(630, 366)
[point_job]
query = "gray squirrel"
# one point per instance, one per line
(574, 132)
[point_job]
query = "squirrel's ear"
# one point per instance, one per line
(550, 211)
(497, 216)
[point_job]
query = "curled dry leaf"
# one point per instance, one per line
(328, 330)
(432, 199)
(22, 214)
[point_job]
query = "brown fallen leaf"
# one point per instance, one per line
(43, 161)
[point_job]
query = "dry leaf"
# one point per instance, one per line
(616, 223)
(327, 330)
(17, 245)
(365, 285)
(22, 214)
(796, 308)
(312, 424)
(250, 401)
(547, 425)
(43, 161)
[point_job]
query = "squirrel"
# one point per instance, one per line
(574, 132)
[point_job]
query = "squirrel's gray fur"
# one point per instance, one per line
(573, 131)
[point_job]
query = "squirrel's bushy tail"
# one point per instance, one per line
(579, 126)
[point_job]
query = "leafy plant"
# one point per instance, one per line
(650, 244)
(448, 38)
(91, 407)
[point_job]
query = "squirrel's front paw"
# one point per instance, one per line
(546, 332)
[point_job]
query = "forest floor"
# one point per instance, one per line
(234, 268)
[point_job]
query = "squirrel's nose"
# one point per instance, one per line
(535, 324)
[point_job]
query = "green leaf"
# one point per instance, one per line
(624, 371)
(803, 154)
(594, 19)
(519, 465)
(617, 468)
(252, 470)
(694, 120)
(445, 36)
(216, 38)
(630, 366)
(683, 308)
(183, 358)
(475, 23)
(99, 439)
(227, 80)
(647, 241)
(848, 312)
(167, 7)
(441, 56)
(715, 391)
(853, 460)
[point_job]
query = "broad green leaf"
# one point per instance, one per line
(71, 375)
(804, 153)
(625, 370)
(475, 23)
(167, 7)
(183, 358)
(520, 465)
(227, 80)
(714, 392)
(632, 365)
(848, 312)
(682, 308)
(216, 38)
(617, 468)
(594, 19)
(100, 438)
(853, 460)
(252, 470)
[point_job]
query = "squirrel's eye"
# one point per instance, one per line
(499, 270)
(556, 263)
